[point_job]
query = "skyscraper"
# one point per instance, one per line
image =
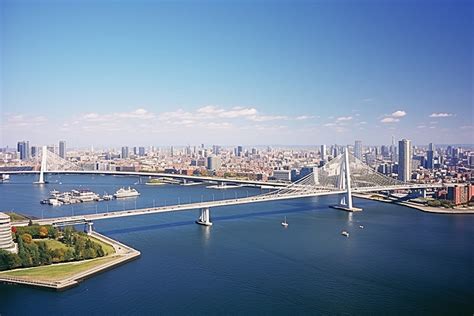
(62, 149)
(430, 156)
(124, 152)
(213, 163)
(404, 160)
(24, 150)
(141, 151)
(323, 152)
(358, 149)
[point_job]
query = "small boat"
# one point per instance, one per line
(54, 192)
(284, 223)
(107, 197)
(344, 233)
(361, 226)
(54, 202)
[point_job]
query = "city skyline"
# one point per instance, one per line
(293, 74)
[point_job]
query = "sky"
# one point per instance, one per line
(236, 72)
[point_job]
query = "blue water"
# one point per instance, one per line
(403, 261)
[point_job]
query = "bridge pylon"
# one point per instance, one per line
(43, 166)
(204, 218)
(344, 183)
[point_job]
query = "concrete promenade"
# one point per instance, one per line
(419, 207)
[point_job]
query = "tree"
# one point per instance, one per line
(9, 260)
(27, 238)
(44, 254)
(23, 254)
(43, 232)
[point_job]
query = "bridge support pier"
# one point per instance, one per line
(345, 184)
(89, 227)
(204, 217)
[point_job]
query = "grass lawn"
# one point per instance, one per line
(57, 272)
(16, 217)
(108, 249)
(53, 244)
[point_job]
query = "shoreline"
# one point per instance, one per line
(122, 255)
(422, 208)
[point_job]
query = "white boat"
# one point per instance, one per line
(344, 233)
(54, 202)
(107, 197)
(54, 192)
(125, 193)
(284, 223)
(84, 195)
(361, 226)
(5, 177)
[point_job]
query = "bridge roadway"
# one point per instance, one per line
(155, 174)
(274, 196)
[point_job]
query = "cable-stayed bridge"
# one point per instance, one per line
(342, 176)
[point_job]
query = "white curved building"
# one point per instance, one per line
(6, 240)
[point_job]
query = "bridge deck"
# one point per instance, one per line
(211, 204)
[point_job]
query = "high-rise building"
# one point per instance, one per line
(430, 156)
(213, 163)
(404, 160)
(323, 152)
(24, 150)
(239, 151)
(34, 151)
(62, 149)
(358, 149)
(124, 152)
(141, 151)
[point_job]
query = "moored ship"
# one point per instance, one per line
(125, 193)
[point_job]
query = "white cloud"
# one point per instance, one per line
(389, 120)
(344, 118)
(441, 114)
(394, 117)
(304, 117)
(19, 120)
(265, 118)
(399, 113)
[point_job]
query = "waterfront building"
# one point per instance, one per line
(358, 149)
(124, 152)
(460, 194)
(6, 240)
(404, 160)
(62, 149)
(282, 175)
